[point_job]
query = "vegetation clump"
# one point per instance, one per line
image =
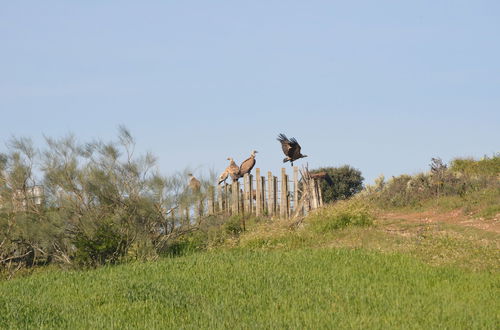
(340, 215)
(86, 204)
(467, 180)
(339, 182)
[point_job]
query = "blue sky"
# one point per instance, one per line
(380, 85)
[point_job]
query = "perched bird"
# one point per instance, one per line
(291, 148)
(194, 183)
(248, 164)
(232, 170)
(223, 176)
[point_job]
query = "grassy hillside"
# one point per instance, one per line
(417, 251)
(303, 288)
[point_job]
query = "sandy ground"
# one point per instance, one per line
(454, 217)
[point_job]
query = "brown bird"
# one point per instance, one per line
(223, 176)
(291, 148)
(248, 164)
(194, 183)
(232, 170)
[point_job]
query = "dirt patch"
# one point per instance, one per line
(456, 217)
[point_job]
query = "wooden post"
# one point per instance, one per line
(258, 196)
(275, 196)
(270, 206)
(241, 206)
(235, 194)
(314, 194)
(227, 208)
(320, 194)
(284, 194)
(250, 193)
(210, 201)
(263, 190)
(295, 188)
(246, 194)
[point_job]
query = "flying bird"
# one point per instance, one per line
(291, 148)
(232, 170)
(248, 164)
(194, 183)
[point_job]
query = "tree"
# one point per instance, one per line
(345, 182)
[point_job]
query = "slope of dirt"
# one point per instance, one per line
(456, 217)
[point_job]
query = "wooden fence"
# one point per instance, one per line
(261, 195)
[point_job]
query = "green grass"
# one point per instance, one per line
(303, 288)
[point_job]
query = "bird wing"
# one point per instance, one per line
(233, 169)
(247, 165)
(285, 143)
(223, 176)
(295, 148)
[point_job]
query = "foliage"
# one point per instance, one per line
(463, 179)
(484, 167)
(104, 246)
(340, 215)
(100, 203)
(345, 182)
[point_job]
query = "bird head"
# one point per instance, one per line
(229, 158)
(254, 152)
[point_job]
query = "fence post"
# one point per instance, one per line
(295, 188)
(258, 194)
(227, 208)
(270, 206)
(284, 194)
(320, 194)
(250, 193)
(263, 192)
(235, 193)
(275, 196)
(246, 194)
(241, 205)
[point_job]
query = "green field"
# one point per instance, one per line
(241, 288)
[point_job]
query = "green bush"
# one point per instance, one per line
(102, 246)
(485, 167)
(340, 215)
(341, 182)
(464, 178)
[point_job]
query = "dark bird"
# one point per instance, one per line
(291, 148)
(194, 183)
(232, 170)
(248, 164)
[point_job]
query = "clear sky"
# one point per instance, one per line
(380, 85)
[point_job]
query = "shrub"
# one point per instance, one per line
(345, 182)
(102, 246)
(340, 215)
